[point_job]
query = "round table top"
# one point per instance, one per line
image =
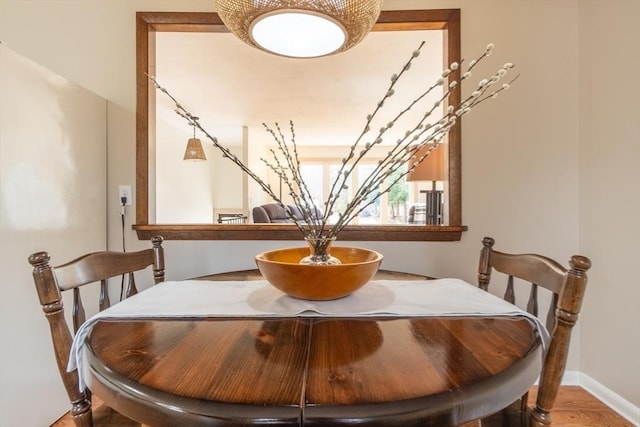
(312, 371)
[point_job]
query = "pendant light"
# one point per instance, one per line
(194, 151)
(300, 28)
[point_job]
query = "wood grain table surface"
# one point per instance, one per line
(311, 371)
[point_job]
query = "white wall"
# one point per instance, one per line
(53, 144)
(180, 183)
(522, 180)
(609, 196)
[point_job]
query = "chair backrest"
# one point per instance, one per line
(567, 287)
(51, 281)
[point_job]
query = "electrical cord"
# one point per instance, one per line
(123, 200)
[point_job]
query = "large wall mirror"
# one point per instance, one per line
(234, 88)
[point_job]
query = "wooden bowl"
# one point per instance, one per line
(282, 269)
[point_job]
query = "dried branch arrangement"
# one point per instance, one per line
(434, 123)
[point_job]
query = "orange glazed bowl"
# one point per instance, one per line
(282, 269)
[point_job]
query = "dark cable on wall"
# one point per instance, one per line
(123, 200)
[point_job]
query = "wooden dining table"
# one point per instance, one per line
(311, 371)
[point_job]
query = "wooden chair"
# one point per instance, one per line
(95, 267)
(567, 288)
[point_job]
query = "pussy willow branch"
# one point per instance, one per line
(396, 158)
(341, 178)
(298, 189)
(181, 111)
(287, 167)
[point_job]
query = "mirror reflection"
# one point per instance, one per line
(327, 99)
(234, 89)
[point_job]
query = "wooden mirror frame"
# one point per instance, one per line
(148, 23)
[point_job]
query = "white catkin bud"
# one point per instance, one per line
(506, 86)
(390, 124)
(415, 53)
(483, 82)
(466, 75)
(440, 82)
(394, 77)
(508, 65)
(450, 109)
(446, 72)
(502, 72)
(453, 84)
(476, 93)
(454, 66)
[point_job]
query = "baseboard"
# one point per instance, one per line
(572, 378)
(614, 401)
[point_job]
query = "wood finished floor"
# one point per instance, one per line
(574, 407)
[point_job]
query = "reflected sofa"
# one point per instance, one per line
(274, 213)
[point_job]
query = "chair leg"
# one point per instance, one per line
(82, 413)
(540, 417)
(524, 402)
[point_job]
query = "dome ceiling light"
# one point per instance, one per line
(300, 28)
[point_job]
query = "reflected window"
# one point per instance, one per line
(314, 178)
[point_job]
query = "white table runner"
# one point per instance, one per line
(193, 298)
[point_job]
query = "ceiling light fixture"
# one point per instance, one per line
(300, 28)
(194, 150)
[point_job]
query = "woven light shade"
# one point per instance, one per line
(300, 28)
(194, 150)
(431, 168)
